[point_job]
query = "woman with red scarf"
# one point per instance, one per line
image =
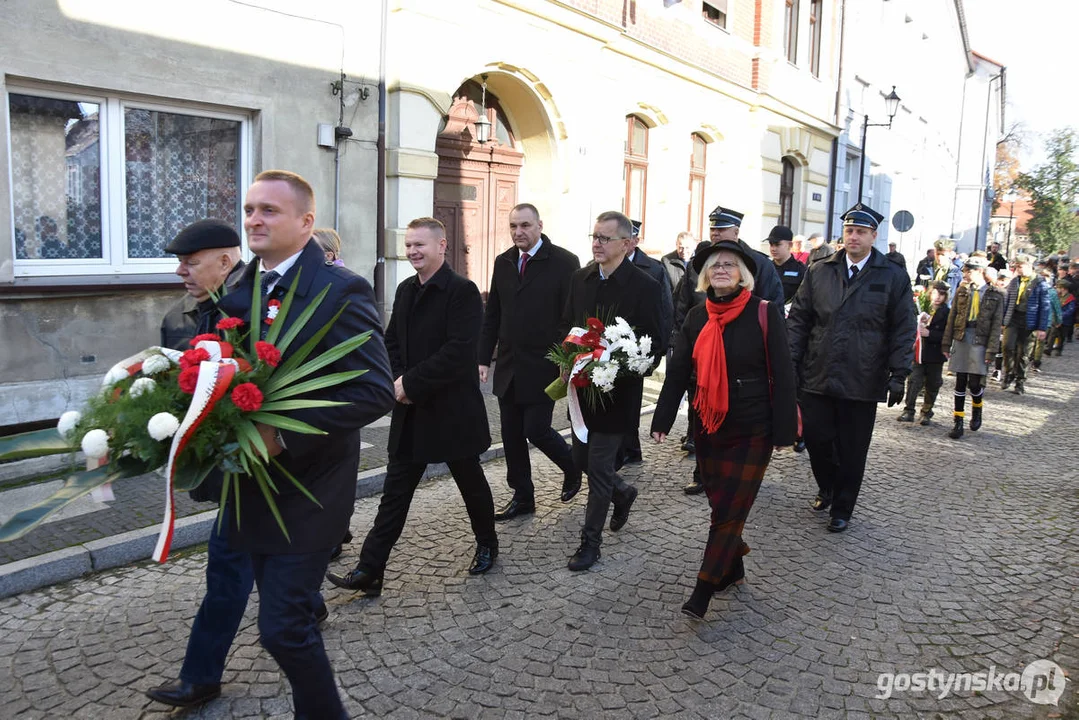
(733, 349)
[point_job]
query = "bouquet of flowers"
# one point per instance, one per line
(593, 358)
(922, 299)
(190, 412)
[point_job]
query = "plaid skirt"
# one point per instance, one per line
(732, 468)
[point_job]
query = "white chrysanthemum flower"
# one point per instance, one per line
(142, 385)
(67, 423)
(162, 426)
(604, 375)
(114, 375)
(95, 444)
(155, 364)
(645, 344)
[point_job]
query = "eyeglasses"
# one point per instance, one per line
(726, 267)
(603, 239)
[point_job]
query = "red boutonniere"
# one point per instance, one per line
(272, 308)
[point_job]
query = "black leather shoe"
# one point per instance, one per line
(621, 510)
(514, 508)
(821, 502)
(322, 614)
(799, 445)
(837, 525)
(585, 557)
(633, 459)
(694, 488)
(370, 583)
(571, 485)
(184, 694)
(483, 560)
(927, 419)
(906, 416)
(340, 546)
(957, 429)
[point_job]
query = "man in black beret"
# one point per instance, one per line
(209, 255)
(790, 270)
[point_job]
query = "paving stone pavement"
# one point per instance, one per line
(961, 556)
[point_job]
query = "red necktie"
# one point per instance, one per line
(524, 263)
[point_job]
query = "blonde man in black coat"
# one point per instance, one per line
(611, 287)
(439, 416)
(529, 287)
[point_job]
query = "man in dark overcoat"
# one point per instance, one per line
(609, 288)
(851, 330)
(279, 216)
(529, 287)
(439, 415)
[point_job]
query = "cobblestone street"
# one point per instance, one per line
(961, 556)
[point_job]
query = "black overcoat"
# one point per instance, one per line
(628, 293)
(752, 402)
(431, 340)
(523, 318)
(325, 464)
(657, 271)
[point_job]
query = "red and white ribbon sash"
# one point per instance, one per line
(576, 417)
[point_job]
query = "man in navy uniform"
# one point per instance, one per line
(790, 270)
(851, 330)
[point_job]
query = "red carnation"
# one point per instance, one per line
(188, 379)
(229, 323)
(581, 380)
(209, 337)
(192, 358)
(595, 325)
(247, 397)
(268, 353)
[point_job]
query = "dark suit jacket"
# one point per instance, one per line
(325, 464)
(628, 293)
(656, 271)
(523, 317)
(431, 340)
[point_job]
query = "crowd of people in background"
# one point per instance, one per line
(790, 349)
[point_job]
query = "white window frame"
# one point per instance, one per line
(114, 241)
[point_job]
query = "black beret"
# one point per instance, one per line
(203, 235)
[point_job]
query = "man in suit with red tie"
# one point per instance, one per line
(529, 287)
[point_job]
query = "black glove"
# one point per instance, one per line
(896, 386)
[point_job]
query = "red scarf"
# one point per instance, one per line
(712, 399)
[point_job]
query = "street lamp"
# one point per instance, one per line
(1010, 197)
(891, 104)
(483, 125)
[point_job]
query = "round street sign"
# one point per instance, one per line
(903, 221)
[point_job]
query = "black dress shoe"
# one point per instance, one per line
(621, 510)
(837, 525)
(571, 485)
(322, 613)
(359, 579)
(184, 694)
(585, 557)
(336, 553)
(799, 445)
(483, 560)
(821, 502)
(514, 508)
(693, 488)
(633, 459)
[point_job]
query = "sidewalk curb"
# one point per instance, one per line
(138, 545)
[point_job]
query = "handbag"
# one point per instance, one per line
(762, 319)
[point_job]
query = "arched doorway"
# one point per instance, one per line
(476, 187)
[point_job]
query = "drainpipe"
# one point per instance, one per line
(380, 183)
(828, 225)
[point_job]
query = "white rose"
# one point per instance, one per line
(67, 423)
(162, 426)
(155, 364)
(142, 385)
(95, 444)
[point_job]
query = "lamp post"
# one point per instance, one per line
(1010, 197)
(891, 104)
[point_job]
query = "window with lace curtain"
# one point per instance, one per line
(101, 184)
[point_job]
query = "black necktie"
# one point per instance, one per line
(269, 279)
(853, 272)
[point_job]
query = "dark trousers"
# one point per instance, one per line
(597, 458)
(927, 375)
(402, 478)
(1017, 344)
(229, 579)
(288, 629)
(524, 423)
(837, 436)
